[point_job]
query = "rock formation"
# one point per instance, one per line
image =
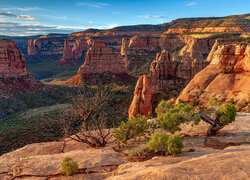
(12, 62)
(141, 103)
(171, 72)
(67, 52)
(100, 60)
(14, 76)
(47, 46)
(226, 77)
(75, 54)
(80, 46)
(207, 30)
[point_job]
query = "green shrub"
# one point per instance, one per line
(231, 101)
(226, 113)
(158, 143)
(137, 126)
(175, 145)
(69, 166)
(213, 103)
(227, 69)
(163, 107)
(171, 117)
(161, 142)
(139, 153)
(170, 122)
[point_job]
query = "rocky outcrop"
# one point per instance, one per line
(67, 53)
(12, 62)
(14, 76)
(47, 46)
(101, 64)
(207, 30)
(141, 51)
(43, 160)
(226, 77)
(100, 59)
(80, 46)
(141, 103)
(75, 54)
(171, 71)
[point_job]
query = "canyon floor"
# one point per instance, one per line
(225, 156)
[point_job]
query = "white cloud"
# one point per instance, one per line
(91, 22)
(92, 4)
(17, 29)
(54, 17)
(149, 17)
(23, 9)
(12, 15)
(191, 3)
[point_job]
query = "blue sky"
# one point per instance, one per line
(31, 17)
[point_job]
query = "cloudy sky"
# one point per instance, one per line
(32, 17)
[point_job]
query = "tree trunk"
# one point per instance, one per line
(215, 124)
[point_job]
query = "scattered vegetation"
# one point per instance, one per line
(133, 128)
(227, 69)
(69, 166)
(87, 119)
(213, 103)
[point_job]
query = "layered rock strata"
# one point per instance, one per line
(100, 60)
(12, 62)
(171, 72)
(226, 77)
(14, 76)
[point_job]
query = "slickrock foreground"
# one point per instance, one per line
(43, 160)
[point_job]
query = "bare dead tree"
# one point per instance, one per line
(86, 119)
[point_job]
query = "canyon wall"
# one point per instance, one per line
(172, 69)
(12, 62)
(47, 46)
(100, 59)
(14, 76)
(207, 30)
(226, 77)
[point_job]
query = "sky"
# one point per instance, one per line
(33, 17)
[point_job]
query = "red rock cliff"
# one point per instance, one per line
(141, 103)
(100, 59)
(171, 72)
(14, 76)
(12, 62)
(233, 83)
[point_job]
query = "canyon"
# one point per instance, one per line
(226, 77)
(190, 59)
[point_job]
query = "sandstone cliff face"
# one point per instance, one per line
(141, 103)
(100, 59)
(207, 30)
(47, 46)
(67, 52)
(101, 63)
(171, 71)
(187, 49)
(211, 82)
(14, 76)
(75, 54)
(12, 62)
